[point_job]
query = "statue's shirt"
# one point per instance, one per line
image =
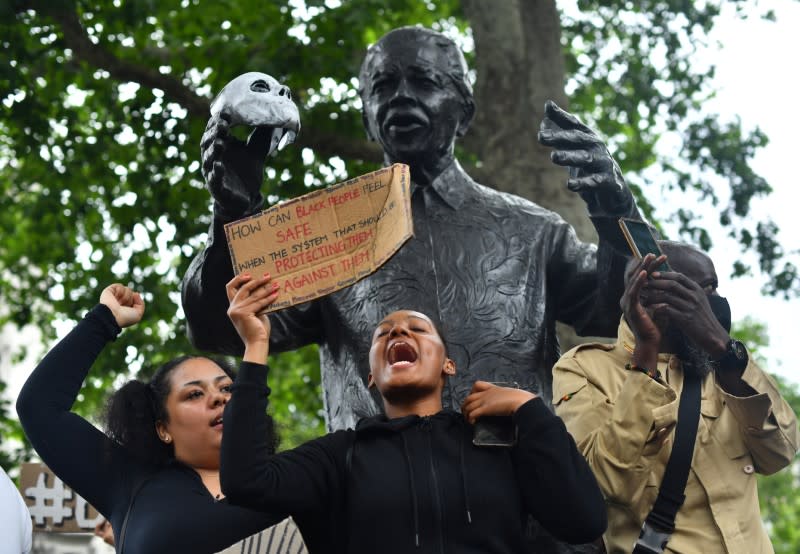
(494, 269)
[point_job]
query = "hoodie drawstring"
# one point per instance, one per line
(464, 474)
(413, 486)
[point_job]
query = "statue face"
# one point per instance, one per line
(411, 107)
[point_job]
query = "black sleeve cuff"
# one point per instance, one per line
(252, 374)
(102, 315)
(532, 412)
(608, 230)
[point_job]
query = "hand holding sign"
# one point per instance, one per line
(325, 240)
(248, 299)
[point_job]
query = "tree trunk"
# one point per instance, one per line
(520, 65)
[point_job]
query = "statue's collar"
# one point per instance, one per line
(451, 185)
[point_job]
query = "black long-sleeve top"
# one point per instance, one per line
(173, 511)
(411, 484)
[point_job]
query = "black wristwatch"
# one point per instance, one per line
(735, 356)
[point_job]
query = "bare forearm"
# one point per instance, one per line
(256, 352)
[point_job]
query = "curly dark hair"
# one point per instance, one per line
(131, 413)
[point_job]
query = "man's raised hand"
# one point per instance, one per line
(684, 303)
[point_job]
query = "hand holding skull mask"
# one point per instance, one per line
(234, 169)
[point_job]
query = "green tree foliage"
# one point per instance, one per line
(103, 104)
(295, 384)
(779, 494)
(634, 67)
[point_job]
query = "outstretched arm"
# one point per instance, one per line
(103, 469)
(233, 171)
(595, 175)
(203, 297)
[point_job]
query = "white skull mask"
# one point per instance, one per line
(258, 100)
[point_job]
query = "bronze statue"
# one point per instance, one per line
(495, 270)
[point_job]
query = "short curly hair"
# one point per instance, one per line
(456, 68)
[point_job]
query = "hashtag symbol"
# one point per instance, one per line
(49, 501)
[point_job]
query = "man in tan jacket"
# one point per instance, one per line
(620, 402)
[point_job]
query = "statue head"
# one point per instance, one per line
(416, 95)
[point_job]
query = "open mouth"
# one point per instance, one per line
(216, 422)
(278, 137)
(401, 354)
(404, 122)
(281, 137)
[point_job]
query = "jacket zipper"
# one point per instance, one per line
(426, 425)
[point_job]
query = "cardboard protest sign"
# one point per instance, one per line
(328, 239)
(54, 507)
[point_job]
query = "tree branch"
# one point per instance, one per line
(76, 38)
(327, 144)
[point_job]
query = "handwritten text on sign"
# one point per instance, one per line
(328, 239)
(54, 506)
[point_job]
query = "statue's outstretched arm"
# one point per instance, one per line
(234, 172)
(595, 175)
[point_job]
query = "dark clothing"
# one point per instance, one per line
(495, 271)
(411, 484)
(173, 511)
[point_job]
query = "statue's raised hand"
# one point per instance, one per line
(234, 169)
(592, 171)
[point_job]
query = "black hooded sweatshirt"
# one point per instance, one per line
(411, 484)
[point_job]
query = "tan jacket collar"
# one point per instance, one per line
(626, 340)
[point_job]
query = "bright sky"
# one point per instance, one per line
(757, 81)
